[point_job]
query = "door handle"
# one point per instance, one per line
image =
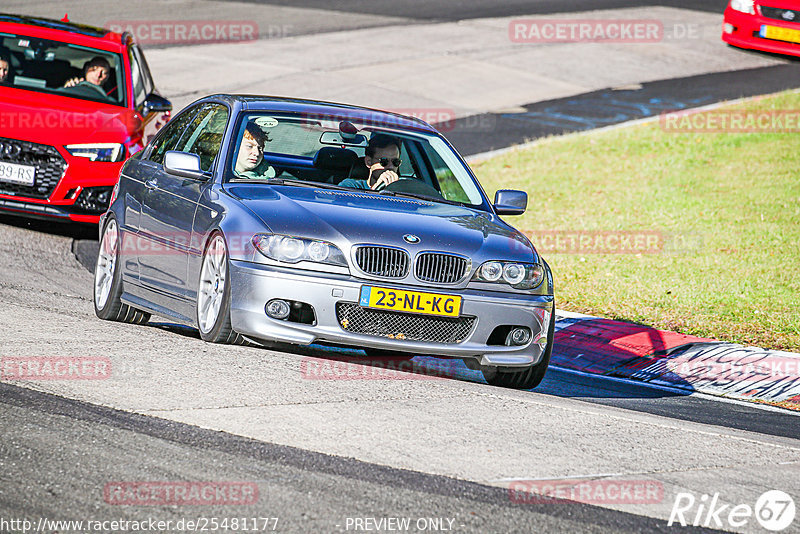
(151, 184)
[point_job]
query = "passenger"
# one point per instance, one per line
(5, 67)
(95, 73)
(383, 161)
(250, 161)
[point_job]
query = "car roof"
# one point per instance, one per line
(78, 33)
(314, 108)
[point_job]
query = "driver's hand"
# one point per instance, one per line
(73, 82)
(385, 178)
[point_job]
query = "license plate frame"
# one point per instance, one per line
(410, 301)
(15, 173)
(779, 33)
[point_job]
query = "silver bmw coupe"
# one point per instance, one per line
(294, 221)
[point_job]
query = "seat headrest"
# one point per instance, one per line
(335, 159)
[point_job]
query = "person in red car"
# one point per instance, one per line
(5, 67)
(95, 72)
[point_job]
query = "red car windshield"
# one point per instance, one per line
(62, 68)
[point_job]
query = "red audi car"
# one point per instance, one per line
(767, 25)
(75, 102)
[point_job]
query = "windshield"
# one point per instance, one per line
(62, 68)
(334, 153)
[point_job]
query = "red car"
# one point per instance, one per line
(75, 102)
(767, 25)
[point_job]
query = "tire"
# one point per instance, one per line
(108, 281)
(213, 304)
(528, 377)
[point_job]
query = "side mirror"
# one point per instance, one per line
(510, 202)
(183, 164)
(155, 103)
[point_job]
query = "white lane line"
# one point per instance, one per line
(567, 477)
(678, 391)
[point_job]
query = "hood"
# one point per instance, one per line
(780, 4)
(345, 218)
(60, 120)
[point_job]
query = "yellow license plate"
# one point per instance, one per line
(780, 34)
(410, 301)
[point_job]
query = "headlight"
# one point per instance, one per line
(517, 275)
(98, 151)
(745, 6)
(289, 249)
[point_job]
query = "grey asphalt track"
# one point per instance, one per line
(452, 10)
(492, 131)
(51, 443)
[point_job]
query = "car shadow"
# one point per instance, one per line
(767, 55)
(78, 231)
(598, 359)
(636, 360)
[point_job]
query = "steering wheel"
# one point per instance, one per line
(414, 186)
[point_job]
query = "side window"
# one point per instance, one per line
(170, 135)
(204, 136)
(147, 78)
(448, 184)
(139, 89)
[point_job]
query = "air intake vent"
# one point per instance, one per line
(440, 268)
(385, 262)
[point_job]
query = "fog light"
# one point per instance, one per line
(518, 336)
(278, 309)
(727, 27)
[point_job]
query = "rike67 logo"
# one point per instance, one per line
(774, 510)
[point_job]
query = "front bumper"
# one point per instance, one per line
(744, 29)
(65, 187)
(254, 284)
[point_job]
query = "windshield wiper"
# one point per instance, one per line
(418, 196)
(290, 181)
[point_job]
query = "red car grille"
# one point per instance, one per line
(49, 165)
(785, 15)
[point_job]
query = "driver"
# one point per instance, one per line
(383, 161)
(250, 162)
(95, 73)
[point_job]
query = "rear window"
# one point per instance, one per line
(49, 66)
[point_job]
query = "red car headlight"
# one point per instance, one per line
(745, 6)
(108, 152)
